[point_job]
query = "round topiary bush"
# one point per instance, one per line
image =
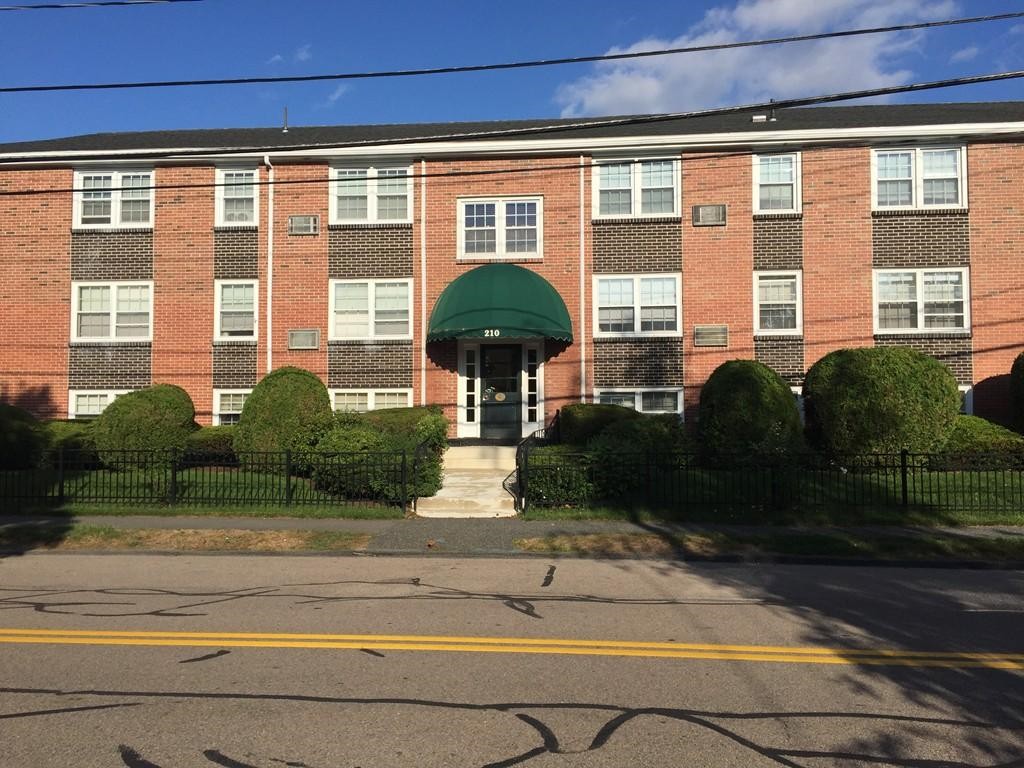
(289, 409)
(139, 428)
(747, 410)
(22, 438)
(880, 400)
(1017, 392)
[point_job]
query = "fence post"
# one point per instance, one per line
(172, 490)
(288, 477)
(60, 474)
(405, 483)
(903, 477)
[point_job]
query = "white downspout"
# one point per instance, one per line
(423, 282)
(583, 290)
(270, 263)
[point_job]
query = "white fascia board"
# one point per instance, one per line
(470, 146)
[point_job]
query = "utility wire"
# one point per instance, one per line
(97, 4)
(555, 127)
(502, 66)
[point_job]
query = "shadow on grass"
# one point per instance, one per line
(19, 538)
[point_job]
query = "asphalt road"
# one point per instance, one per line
(325, 662)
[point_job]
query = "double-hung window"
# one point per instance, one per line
(643, 400)
(919, 177)
(635, 187)
(370, 309)
(371, 194)
(227, 405)
(777, 183)
(237, 197)
(106, 199)
(235, 311)
(778, 303)
(361, 400)
(922, 300)
(111, 311)
(629, 305)
(501, 227)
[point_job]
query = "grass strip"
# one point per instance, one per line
(22, 538)
(338, 512)
(837, 544)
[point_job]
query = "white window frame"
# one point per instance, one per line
(917, 178)
(919, 282)
(371, 298)
(371, 193)
(798, 331)
(636, 278)
(113, 286)
(967, 405)
(499, 228)
(797, 184)
(638, 399)
(635, 179)
(217, 300)
(219, 220)
(110, 393)
(371, 395)
(115, 197)
(216, 402)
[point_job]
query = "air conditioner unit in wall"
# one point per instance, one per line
(305, 338)
(709, 215)
(711, 335)
(303, 225)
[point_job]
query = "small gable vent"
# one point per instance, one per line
(711, 335)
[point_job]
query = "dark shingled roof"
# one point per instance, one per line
(887, 115)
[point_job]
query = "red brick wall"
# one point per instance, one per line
(183, 285)
(35, 292)
(996, 199)
(717, 266)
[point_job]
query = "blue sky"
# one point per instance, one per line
(234, 38)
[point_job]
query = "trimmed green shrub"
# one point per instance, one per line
(22, 438)
(350, 461)
(579, 423)
(880, 400)
(289, 409)
(747, 410)
(212, 445)
(1017, 393)
(70, 435)
(157, 418)
(628, 454)
(559, 475)
(975, 443)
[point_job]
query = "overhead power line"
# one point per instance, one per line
(97, 4)
(500, 66)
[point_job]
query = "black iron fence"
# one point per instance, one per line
(682, 482)
(175, 477)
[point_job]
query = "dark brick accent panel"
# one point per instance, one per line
(778, 242)
(921, 240)
(369, 251)
(369, 366)
(638, 362)
(644, 245)
(784, 355)
(110, 366)
(112, 255)
(234, 366)
(954, 351)
(236, 254)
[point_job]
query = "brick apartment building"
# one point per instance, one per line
(503, 270)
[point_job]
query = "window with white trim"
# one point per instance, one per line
(636, 187)
(370, 309)
(227, 405)
(922, 300)
(777, 183)
(111, 311)
(362, 400)
(919, 177)
(371, 194)
(642, 305)
(501, 227)
(237, 197)
(643, 400)
(107, 198)
(235, 311)
(778, 302)
(90, 403)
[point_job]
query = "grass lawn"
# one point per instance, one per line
(831, 544)
(341, 511)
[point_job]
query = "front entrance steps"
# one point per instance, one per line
(472, 485)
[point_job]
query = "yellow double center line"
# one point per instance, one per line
(762, 653)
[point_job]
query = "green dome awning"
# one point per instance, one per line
(499, 301)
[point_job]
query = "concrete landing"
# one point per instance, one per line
(469, 493)
(492, 457)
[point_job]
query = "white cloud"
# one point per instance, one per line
(1017, 29)
(964, 54)
(304, 52)
(277, 58)
(339, 90)
(747, 75)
